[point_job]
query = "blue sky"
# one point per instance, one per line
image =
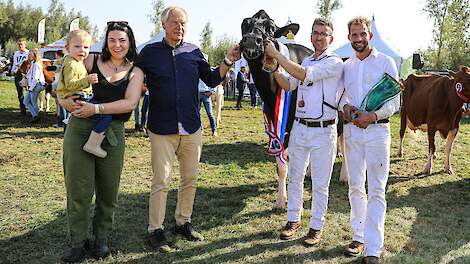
(402, 23)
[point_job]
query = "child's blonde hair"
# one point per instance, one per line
(80, 33)
(36, 54)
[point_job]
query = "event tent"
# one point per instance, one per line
(97, 47)
(154, 39)
(347, 51)
(48, 51)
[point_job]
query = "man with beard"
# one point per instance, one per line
(367, 139)
(313, 135)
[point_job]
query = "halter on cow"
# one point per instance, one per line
(279, 105)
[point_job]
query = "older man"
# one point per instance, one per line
(313, 135)
(367, 141)
(173, 68)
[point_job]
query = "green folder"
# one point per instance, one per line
(383, 91)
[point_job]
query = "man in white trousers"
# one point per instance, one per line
(367, 139)
(313, 136)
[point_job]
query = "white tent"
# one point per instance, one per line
(347, 51)
(154, 39)
(97, 47)
(48, 51)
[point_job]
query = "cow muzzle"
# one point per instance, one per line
(252, 46)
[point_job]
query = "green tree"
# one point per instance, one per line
(222, 46)
(155, 16)
(451, 34)
(325, 8)
(57, 22)
(206, 38)
(18, 21)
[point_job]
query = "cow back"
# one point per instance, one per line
(428, 99)
(48, 75)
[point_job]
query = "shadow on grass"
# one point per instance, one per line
(242, 153)
(44, 243)
(11, 118)
(442, 214)
(434, 231)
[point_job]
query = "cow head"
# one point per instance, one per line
(462, 83)
(258, 28)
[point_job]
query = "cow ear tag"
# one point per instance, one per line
(458, 87)
(301, 103)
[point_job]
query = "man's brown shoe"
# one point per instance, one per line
(313, 238)
(290, 230)
(370, 260)
(354, 249)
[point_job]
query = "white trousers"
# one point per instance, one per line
(319, 146)
(368, 150)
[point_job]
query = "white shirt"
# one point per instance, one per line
(35, 75)
(18, 59)
(361, 76)
(323, 83)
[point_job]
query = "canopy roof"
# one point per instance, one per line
(154, 39)
(347, 51)
(97, 47)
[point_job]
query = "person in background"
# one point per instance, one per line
(36, 83)
(242, 80)
(205, 94)
(61, 113)
(144, 111)
(253, 93)
(18, 58)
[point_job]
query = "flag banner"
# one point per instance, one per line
(75, 24)
(41, 30)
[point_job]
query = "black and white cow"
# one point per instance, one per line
(255, 30)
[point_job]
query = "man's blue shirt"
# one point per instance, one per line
(172, 76)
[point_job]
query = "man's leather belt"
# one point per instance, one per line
(310, 123)
(381, 121)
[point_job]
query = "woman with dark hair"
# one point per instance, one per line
(118, 91)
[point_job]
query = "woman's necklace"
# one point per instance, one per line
(114, 66)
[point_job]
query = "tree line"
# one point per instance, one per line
(449, 48)
(18, 20)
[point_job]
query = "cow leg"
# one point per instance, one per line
(449, 142)
(281, 184)
(402, 131)
(344, 175)
(432, 149)
(48, 102)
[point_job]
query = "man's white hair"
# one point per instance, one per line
(167, 11)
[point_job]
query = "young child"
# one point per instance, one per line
(75, 80)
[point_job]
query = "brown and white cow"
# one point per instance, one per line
(435, 103)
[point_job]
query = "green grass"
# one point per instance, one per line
(428, 219)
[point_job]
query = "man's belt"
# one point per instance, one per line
(311, 123)
(381, 121)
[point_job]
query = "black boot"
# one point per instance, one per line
(76, 254)
(100, 248)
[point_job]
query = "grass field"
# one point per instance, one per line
(428, 219)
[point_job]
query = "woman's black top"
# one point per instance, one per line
(105, 91)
